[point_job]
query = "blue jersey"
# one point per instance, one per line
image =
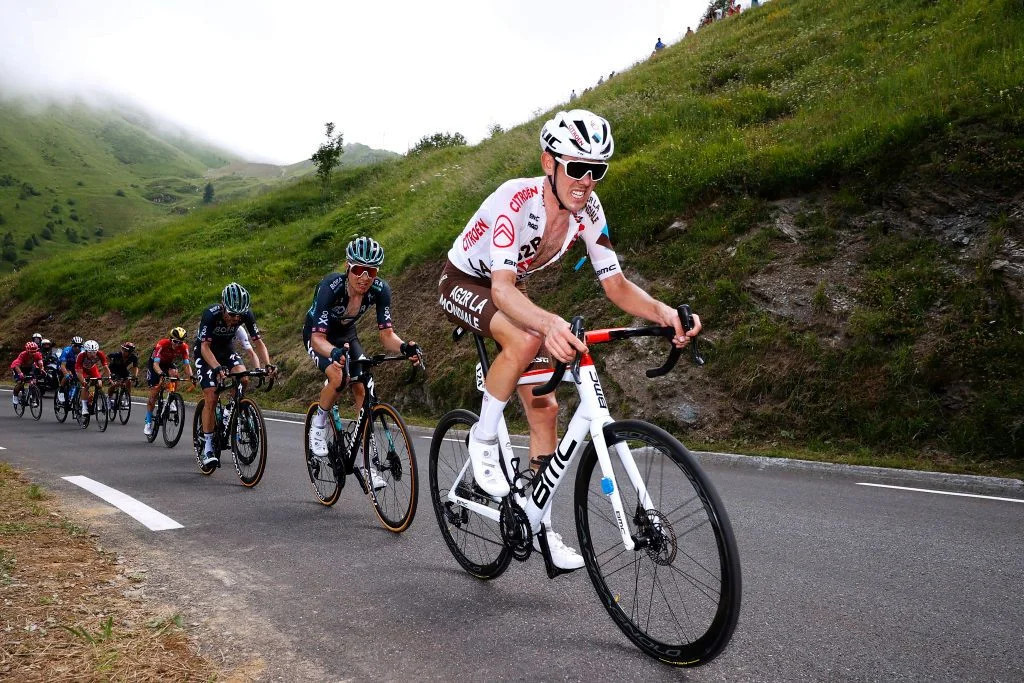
(68, 356)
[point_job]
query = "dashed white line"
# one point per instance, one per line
(943, 493)
(152, 519)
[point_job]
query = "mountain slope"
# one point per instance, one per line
(834, 186)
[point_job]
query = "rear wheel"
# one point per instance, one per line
(124, 404)
(100, 407)
(677, 595)
(198, 440)
(322, 474)
(60, 408)
(248, 442)
(473, 539)
(173, 419)
(35, 402)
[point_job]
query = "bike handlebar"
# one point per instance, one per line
(685, 317)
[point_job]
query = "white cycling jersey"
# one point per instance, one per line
(506, 230)
(243, 338)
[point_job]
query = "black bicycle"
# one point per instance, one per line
(169, 412)
(388, 474)
(96, 401)
(64, 398)
(239, 426)
(121, 401)
(31, 396)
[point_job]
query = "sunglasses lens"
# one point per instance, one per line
(360, 271)
(578, 169)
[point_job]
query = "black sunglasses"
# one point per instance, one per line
(577, 170)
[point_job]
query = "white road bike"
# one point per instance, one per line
(654, 535)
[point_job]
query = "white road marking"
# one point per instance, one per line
(152, 519)
(2, 448)
(944, 493)
(291, 422)
(428, 438)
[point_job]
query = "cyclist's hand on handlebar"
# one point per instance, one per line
(669, 317)
(412, 351)
(560, 341)
(271, 370)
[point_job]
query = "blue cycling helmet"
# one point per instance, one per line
(365, 251)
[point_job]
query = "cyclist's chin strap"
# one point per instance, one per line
(551, 179)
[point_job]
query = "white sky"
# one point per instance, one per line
(261, 77)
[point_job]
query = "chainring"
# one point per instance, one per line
(515, 529)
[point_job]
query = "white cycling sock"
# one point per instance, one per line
(209, 441)
(491, 410)
(320, 419)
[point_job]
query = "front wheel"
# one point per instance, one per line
(124, 404)
(35, 402)
(248, 442)
(322, 470)
(677, 594)
(156, 418)
(19, 407)
(173, 419)
(473, 539)
(100, 407)
(389, 459)
(60, 407)
(198, 439)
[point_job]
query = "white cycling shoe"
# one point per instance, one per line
(148, 429)
(318, 441)
(562, 556)
(210, 459)
(486, 470)
(378, 481)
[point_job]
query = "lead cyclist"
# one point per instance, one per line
(524, 226)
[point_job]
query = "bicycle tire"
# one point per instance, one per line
(19, 407)
(100, 408)
(155, 420)
(35, 402)
(124, 405)
(198, 440)
(323, 476)
(60, 408)
(704, 573)
(464, 532)
(173, 419)
(388, 451)
(248, 442)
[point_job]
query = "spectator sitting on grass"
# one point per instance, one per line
(659, 45)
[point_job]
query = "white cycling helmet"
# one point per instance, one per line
(91, 345)
(578, 133)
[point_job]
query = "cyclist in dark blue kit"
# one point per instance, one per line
(214, 354)
(330, 330)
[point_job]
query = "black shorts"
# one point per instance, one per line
(207, 376)
(152, 376)
(355, 349)
(119, 373)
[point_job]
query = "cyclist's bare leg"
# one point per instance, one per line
(518, 349)
(209, 411)
(151, 401)
(358, 396)
(330, 391)
(542, 416)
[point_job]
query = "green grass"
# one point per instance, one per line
(829, 97)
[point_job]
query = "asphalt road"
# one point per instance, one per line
(841, 581)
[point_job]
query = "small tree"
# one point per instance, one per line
(328, 156)
(208, 193)
(437, 141)
(29, 245)
(495, 129)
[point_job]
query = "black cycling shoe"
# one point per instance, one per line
(85, 421)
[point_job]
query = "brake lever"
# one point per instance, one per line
(686, 317)
(577, 329)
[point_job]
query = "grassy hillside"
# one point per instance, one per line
(801, 173)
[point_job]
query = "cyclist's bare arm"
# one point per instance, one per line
(260, 349)
(635, 301)
(557, 337)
